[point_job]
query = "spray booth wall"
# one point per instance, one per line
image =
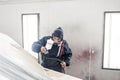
(82, 22)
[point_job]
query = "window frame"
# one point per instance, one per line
(116, 69)
(38, 24)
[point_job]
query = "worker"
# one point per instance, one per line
(55, 52)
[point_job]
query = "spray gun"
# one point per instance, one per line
(49, 45)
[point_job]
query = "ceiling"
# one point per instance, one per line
(4, 2)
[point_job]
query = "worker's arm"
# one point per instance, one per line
(67, 54)
(36, 46)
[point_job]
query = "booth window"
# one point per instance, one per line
(30, 27)
(111, 51)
